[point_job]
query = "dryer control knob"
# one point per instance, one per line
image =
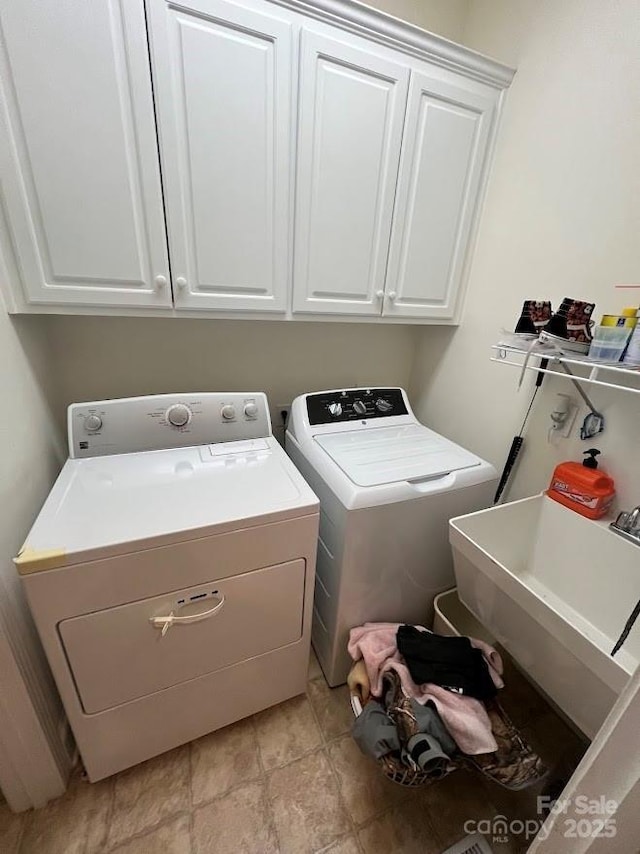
(250, 410)
(92, 423)
(228, 412)
(360, 407)
(335, 409)
(383, 405)
(178, 415)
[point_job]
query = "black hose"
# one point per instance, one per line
(627, 628)
(516, 444)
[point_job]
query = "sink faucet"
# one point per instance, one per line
(628, 525)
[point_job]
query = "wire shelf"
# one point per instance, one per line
(582, 369)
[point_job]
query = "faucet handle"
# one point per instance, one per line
(621, 521)
(634, 519)
(628, 521)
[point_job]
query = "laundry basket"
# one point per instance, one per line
(514, 765)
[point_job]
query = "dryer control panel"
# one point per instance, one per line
(355, 404)
(162, 421)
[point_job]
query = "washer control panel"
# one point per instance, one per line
(165, 421)
(356, 404)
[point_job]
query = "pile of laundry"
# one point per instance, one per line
(426, 705)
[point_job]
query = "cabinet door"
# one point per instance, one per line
(441, 168)
(223, 76)
(352, 103)
(79, 169)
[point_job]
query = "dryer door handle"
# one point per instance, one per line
(169, 620)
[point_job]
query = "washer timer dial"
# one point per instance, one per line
(178, 415)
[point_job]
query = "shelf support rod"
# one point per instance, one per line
(578, 387)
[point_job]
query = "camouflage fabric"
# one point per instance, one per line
(514, 765)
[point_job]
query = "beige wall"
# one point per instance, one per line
(445, 17)
(562, 217)
(100, 357)
(30, 442)
(31, 451)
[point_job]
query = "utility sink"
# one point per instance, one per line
(555, 589)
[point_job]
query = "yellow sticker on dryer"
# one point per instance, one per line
(37, 560)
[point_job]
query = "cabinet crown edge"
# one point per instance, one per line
(405, 36)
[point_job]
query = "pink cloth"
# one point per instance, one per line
(465, 717)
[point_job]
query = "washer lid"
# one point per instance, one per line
(115, 504)
(390, 454)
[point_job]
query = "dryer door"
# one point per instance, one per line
(122, 653)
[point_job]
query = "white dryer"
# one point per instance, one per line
(170, 572)
(387, 487)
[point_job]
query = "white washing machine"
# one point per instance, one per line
(170, 572)
(387, 487)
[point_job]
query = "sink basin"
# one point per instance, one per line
(555, 589)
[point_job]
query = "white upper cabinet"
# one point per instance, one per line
(223, 77)
(352, 104)
(443, 157)
(79, 176)
(239, 157)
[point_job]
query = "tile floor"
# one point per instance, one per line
(287, 781)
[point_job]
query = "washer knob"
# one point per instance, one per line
(228, 412)
(250, 410)
(383, 405)
(360, 407)
(178, 415)
(335, 409)
(92, 423)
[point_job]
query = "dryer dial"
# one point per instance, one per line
(92, 423)
(178, 415)
(335, 409)
(383, 405)
(360, 407)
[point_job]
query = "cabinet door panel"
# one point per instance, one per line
(441, 167)
(78, 154)
(352, 103)
(224, 88)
